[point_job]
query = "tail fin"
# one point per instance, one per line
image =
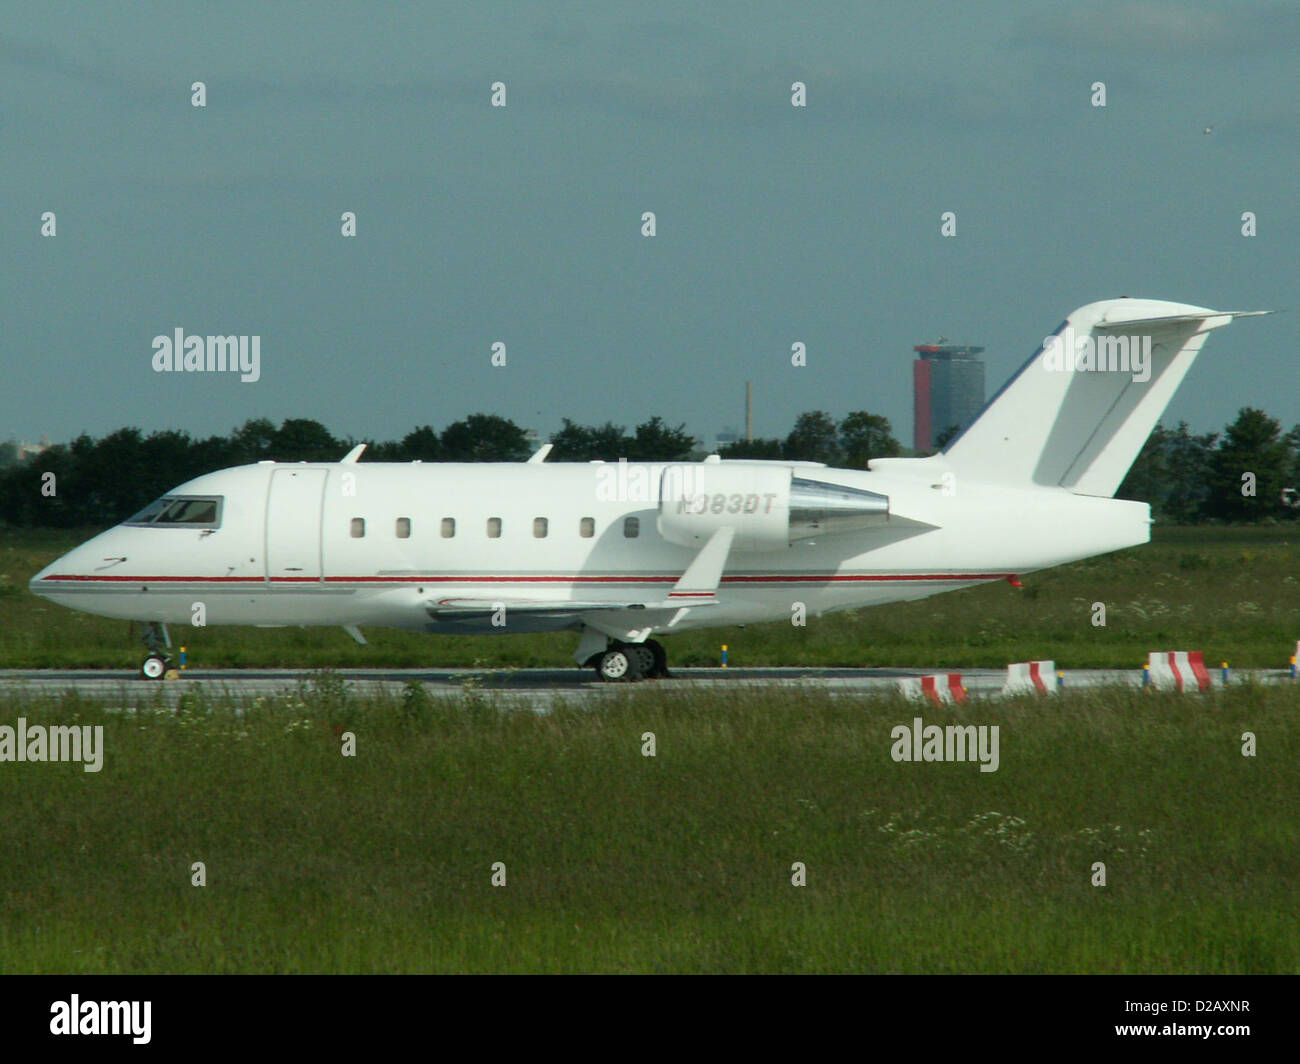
(1077, 413)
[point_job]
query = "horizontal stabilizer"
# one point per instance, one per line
(1170, 319)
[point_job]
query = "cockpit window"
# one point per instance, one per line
(181, 511)
(146, 516)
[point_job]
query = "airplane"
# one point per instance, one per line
(623, 552)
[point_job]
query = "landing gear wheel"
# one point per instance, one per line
(660, 668)
(154, 667)
(617, 665)
(643, 657)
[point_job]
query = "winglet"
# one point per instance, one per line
(351, 457)
(702, 577)
(540, 456)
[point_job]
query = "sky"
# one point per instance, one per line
(522, 225)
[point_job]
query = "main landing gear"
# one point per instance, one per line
(158, 643)
(629, 662)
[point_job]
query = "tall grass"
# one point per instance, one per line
(617, 862)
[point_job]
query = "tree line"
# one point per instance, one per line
(1245, 473)
(93, 482)
(1248, 472)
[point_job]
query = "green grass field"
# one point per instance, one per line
(1231, 592)
(681, 862)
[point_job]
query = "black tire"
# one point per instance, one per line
(660, 670)
(644, 658)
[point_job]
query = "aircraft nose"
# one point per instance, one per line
(53, 579)
(38, 584)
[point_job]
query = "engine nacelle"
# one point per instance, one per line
(766, 506)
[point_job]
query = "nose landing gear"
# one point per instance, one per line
(158, 643)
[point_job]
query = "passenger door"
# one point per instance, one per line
(293, 524)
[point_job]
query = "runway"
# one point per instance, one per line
(533, 688)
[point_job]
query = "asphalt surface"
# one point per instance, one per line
(536, 687)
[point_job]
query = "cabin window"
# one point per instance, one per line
(403, 528)
(358, 527)
(631, 527)
(587, 527)
(494, 528)
(448, 527)
(540, 525)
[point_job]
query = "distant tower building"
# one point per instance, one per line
(947, 390)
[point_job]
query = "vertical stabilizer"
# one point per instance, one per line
(1078, 412)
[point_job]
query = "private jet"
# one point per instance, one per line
(624, 554)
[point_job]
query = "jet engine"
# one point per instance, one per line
(766, 506)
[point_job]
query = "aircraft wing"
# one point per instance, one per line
(697, 587)
(464, 607)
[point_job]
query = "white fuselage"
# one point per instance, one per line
(289, 550)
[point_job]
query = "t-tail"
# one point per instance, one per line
(1078, 412)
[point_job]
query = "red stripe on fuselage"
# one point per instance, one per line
(788, 578)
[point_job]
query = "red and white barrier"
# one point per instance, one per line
(939, 687)
(1026, 676)
(1177, 670)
